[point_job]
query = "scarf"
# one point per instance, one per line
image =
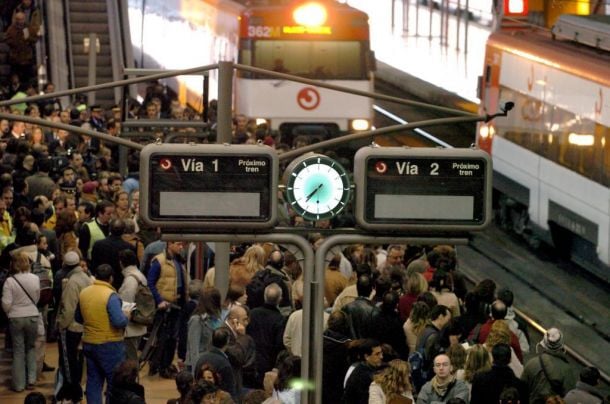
(442, 388)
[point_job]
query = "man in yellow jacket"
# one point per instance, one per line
(100, 312)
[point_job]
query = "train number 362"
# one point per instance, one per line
(260, 31)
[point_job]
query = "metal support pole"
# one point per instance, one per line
(466, 23)
(223, 135)
(405, 16)
(308, 296)
(206, 97)
(392, 4)
(92, 67)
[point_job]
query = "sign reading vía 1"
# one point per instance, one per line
(212, 187)
(423, 189)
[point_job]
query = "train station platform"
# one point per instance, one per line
(414, 54)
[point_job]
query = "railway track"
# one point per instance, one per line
(549, 292)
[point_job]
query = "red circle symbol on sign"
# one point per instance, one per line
(381, 167)
(165, 164)
(308, 98)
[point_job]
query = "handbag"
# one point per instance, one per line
(40, 330)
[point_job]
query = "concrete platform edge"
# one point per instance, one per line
(426, 91)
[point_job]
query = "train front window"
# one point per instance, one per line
(322, 60)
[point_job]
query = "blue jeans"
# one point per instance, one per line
(24, 331)
(102, 359)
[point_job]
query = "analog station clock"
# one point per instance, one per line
(317, 187)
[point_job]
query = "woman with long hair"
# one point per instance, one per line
(392, 384)
(236, 295)
(500, 334)
(243, 269)
(20, 295)
(478, 360)
(441, 287)
(416, 284)
(66, 235)
(284, 388)
(415, 324)
(201, 325)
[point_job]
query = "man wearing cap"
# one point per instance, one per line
(586, 391)
(97, 119)
(549, 373)
(70, 331)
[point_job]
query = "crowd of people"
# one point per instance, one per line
(79, 268)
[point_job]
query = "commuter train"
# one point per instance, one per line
(322, 40)
(551, 155)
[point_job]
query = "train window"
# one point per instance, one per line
(572, 141)
(342, 60)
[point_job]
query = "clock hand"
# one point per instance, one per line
(313, 192)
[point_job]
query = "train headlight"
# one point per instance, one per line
(310, 15)
(486, 131)
(360, 124)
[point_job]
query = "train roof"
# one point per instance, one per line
(280, 6)
(541, 46)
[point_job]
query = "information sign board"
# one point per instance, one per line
(208, 186)
(426, 189)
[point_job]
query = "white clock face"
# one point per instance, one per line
(318, 189)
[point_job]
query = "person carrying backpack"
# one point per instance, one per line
(428, 346)
(133, 282)
(273, 273)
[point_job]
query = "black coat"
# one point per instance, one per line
(357, 386)
(487, 386)
(220, 362)
(362, 314)
(106, 251)
(388, 330)
(334, 365)
(267, 329)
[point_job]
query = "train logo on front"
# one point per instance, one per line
(308, 98)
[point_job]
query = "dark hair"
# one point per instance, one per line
(200, 390)
(210, 368)
(184, 382)
(220, 337)
(506, 296)
(288, 369)
(44, 165)
(509, 395)
(117, 227)
(439, 310)
(88, 207)
(428, 298)
(209, 303)
(234, 292)
(366, 348)
(104, 272)
(127, 258)
(501, 354)
(389, 302)
(364, 286)
(338, 322)
(125, 373)
(35, 397)
(440, 279)
(102, 205)
(590, 375)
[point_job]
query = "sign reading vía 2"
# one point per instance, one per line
(423, 189)
(206, 186)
